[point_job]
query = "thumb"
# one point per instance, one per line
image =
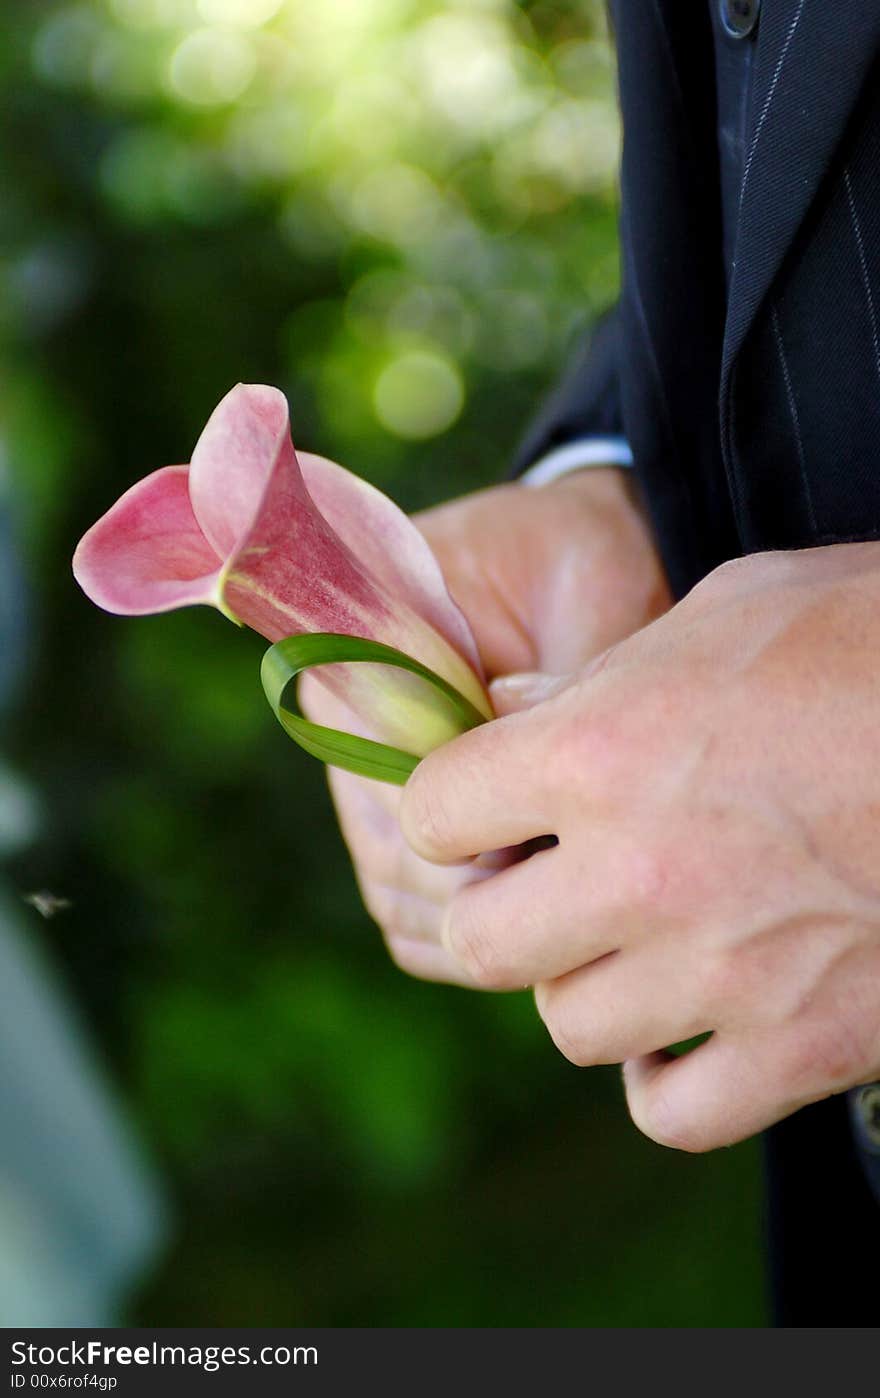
(512, 693)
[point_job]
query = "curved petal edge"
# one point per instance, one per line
(147, 553)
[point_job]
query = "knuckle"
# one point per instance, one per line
(383, 908)
(397, 916)
(565, 1028)
(834, 1053)
(377, 858)
(472, 945)
(404, 954)
(726, 576)
(720, 982)
(737, 576)
(621, 739)
(648, 877)
(731, 568)
(422, 817)
(658, 1117)
(591, 741)
(638, 889)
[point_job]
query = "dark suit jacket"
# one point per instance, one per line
(754, 419)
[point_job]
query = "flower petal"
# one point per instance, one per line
(147, 553)
(294, 573)
(233, 460)
(389, 545)
(286, 570)
(290, 571)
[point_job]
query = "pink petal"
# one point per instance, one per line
(147, 553)
(254, 503)
(233, 459)
(291, 572)
(388, 544)
(240, 529)
(286, 570)
(294, 573)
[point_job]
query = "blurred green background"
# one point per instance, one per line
(400, 211)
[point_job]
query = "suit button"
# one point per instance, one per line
(739, 17)
(865, 1109)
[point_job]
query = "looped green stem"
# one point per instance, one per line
(284, 661)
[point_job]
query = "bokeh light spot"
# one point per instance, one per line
(211, 67)
(398, 203)
(153, 14)
(513, 331)
(122, 70)
(247, 13)
(419, 395)
(65, 45)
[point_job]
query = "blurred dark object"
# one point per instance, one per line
(80, 1215)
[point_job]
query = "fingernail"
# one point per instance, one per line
(512, 693)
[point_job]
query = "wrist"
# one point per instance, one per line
(611, 485)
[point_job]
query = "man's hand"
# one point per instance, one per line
(547, 578)
(714, 783)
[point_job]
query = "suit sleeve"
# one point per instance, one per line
(585, 403)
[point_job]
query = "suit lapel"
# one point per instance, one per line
(811, 61)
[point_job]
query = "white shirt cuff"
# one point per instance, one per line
(574, 456)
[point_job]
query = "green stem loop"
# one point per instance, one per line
(284, 661)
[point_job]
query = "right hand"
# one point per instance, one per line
(548, 578)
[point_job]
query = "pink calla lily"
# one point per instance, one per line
(289, 546)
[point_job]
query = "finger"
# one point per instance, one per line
(477, 579)
(533, 921)
(483, 791)
(412, 878)
(512, 693)
(410, 928)
(426, 961)
(358, 800)
(378, 850)
(726, 1090)
(400, 913)
(631, 1003)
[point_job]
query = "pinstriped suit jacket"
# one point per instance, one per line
(755, 421)
(754, 417)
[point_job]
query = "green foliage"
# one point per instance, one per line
(399, 211)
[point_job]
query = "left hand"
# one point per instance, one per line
(547, 579)
(714, 783)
